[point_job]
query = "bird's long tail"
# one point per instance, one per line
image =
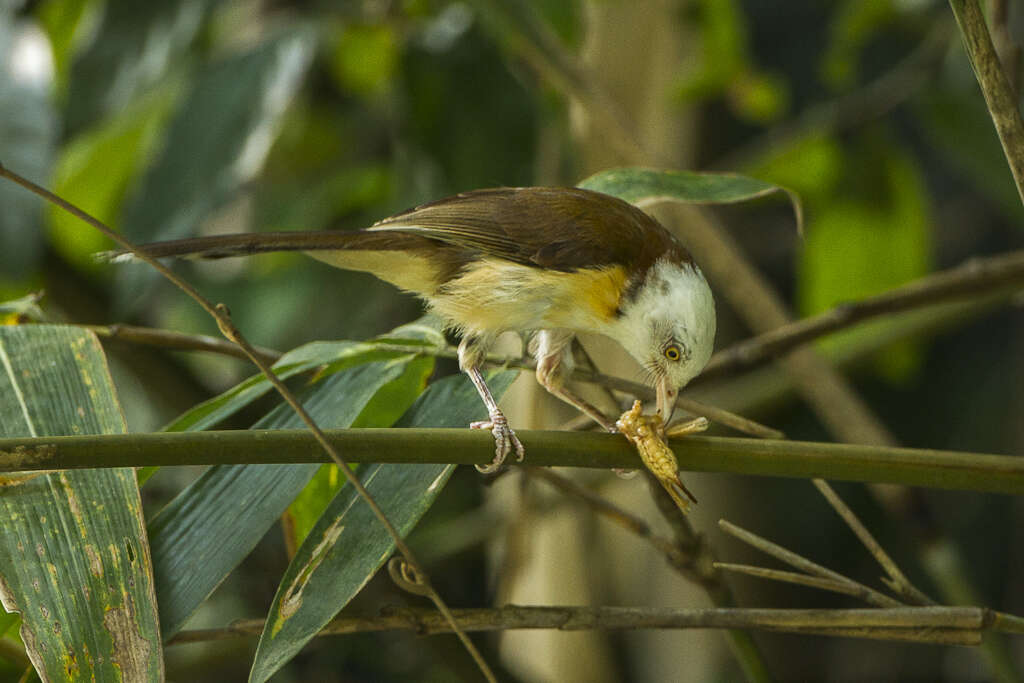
(244, 244)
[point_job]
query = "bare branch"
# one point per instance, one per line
(945, 625)
(869, 595)
(978, 277)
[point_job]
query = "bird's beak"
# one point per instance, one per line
(666, 397)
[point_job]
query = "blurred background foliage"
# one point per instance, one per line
(186, 117)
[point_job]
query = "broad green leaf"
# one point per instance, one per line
(348, 544)
(28, 129)
(647, 186)
(202, 535)
(387, 405)
(216, 140)
(134, 48)
(74, 560)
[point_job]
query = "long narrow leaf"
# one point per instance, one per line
(74, 560)
(202, 535)
(348, 544)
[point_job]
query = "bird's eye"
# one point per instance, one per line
(672, 352)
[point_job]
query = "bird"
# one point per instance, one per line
(547, 263)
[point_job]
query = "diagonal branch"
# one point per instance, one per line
(978, 277)
(1002, 105)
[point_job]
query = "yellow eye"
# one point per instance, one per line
(672, 352)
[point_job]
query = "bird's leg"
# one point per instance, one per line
(471, 351)
(554, 363)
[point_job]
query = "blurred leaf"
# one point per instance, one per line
(365, 58)
(759, 97)
(958, 125)
(28, 129)
(811, 166)
(73, 554)
(856, 23)
(646, 186)
(387, 405)
(199, 537)
(94, 171)
(216, 141)
(63, 22)
(348, 544)
(134, 47)
(724, 38)
(865, 244)
(315, 205)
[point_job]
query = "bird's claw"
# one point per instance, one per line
(505, 441)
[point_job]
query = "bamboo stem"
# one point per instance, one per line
(915, 467)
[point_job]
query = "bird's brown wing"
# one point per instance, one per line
(556, 228)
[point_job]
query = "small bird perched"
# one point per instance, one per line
(546, 261)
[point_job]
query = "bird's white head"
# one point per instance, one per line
(667, 323)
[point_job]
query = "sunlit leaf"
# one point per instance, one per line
(648, 186)
(348, 544)
(74, 560)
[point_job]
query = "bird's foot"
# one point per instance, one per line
(505, 441)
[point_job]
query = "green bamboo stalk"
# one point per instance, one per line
(914, 467)
(1002, 104)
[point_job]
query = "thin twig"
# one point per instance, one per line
(170, 339)
(789, 577)
(898, 582)
(865, 593)
(925, 624)
(1002, 105)
(979, 277)
(220, 313)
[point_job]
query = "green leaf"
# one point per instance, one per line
(217, 140)
(647, 186)
(200, 537)
(387, 405)
(28, 129)
(348, 544)
(73, 554)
